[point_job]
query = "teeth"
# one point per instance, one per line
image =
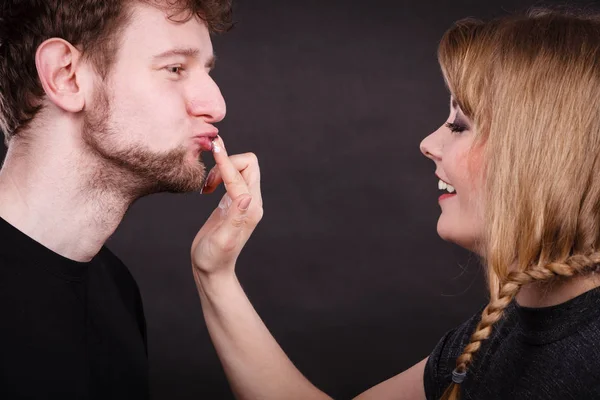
(445, 186)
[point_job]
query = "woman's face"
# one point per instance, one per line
(459, 170)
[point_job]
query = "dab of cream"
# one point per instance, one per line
(224, 204)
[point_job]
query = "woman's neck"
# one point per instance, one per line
(540, 294)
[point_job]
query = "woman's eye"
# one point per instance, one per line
(455, 127)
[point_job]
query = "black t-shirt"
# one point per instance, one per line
(68, 330)
(532, 353)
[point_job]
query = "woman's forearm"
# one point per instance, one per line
(256, 366)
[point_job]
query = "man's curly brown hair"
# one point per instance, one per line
(94, 27)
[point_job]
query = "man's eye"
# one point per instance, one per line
(175, 69)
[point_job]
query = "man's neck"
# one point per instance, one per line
(52, 195)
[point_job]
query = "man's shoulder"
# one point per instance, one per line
(123, 281)
(113, 269)
(114, 266)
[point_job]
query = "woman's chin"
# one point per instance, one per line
(457, 234)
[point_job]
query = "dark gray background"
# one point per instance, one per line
(346, 268)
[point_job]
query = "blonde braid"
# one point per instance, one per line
(493, 312)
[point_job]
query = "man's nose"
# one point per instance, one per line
(208, 102)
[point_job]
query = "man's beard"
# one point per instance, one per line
(133, 169)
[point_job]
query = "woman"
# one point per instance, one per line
(518, 159)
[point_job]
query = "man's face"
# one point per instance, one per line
(153, 115)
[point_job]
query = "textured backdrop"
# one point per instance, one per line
(346, 267)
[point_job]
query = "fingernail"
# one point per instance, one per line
(245, 203)
(215, 147)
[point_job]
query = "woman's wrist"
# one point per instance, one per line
(215, 283)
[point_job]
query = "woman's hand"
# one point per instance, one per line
(219, 242)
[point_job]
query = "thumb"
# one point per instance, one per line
(228, 233)
(238, 210)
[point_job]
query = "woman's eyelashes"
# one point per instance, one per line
(458, 125)
(454, 127)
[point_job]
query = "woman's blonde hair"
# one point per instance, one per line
(530, 84)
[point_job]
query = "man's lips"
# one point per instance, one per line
(205, 141)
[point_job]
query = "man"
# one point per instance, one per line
(100, 103)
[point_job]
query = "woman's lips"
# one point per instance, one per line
(446, 196)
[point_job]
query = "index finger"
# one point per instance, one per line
(233, 180)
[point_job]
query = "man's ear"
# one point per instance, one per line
(57, 62)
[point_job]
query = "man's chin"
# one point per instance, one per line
(181, 186)
(140, 172)
(183, 180)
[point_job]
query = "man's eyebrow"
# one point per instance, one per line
(186, 52)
